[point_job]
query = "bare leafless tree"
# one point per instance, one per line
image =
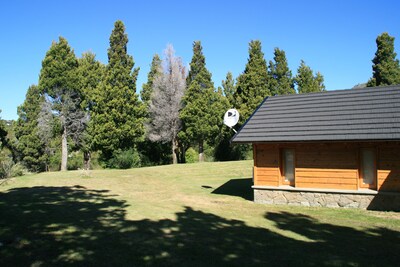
(165, 104)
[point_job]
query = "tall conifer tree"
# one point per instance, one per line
(59, 81)
(385, 68)
(229, 89)
(30, 147)
(306, 81)
(281, 81)
(200, 114)
(117, 117)
(90, 73)
(253, 84)
(147, 88)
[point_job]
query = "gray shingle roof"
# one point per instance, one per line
(344, 115)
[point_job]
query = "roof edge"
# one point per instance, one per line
(244, 124)
(319, 141)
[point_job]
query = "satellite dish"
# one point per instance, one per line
(231, 118)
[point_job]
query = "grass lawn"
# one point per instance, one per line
(184, 215)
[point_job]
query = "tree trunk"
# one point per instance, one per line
(86, 160)
(183, 159)
(201, 151)
(64, 150)
(174, 151)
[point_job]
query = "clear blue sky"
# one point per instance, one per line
(335, 37)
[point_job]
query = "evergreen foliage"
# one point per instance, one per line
(30, 147)
(59, 81)
(117, 116)
(385, 68)
(253, 84)
(281, 80)
(229, 89)
(58, 73)
(147, 88)
(306, 81)
(3, 133)
(201, 113)
(90, 73)
(180, 112)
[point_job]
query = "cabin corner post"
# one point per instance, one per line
(254, 164)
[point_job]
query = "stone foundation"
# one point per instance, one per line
(367, 199)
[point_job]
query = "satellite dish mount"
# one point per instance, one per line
(231, 118)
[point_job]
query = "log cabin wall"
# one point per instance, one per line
(266, 165)
(389, 167)
(328, 165)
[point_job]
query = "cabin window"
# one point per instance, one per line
(288, 166)
(368, 168)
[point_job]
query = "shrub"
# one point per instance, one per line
(8, 168)
(191, 155)
(55, 161)
(208, 153)
(95, 161)
(125, 159)
(17, 170)
(75, 161)
(6, 163)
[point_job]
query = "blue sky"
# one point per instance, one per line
(336, 38)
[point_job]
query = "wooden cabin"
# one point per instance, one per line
(336, 148)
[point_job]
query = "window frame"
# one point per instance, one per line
(283, 165)
(361, 183)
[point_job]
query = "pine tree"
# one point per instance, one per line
(253, 84)
(281, 81)
(200, 115)
(117, 117)
(147, 88)
(306, 81)
(385, 68)
(30, 146)
(229, 89)
(59, 81)
(90, 73)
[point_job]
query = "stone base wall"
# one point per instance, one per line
(373, 201)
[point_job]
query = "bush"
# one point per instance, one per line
(55, 161)
(7, 167)
(95, 162)
(125, 159)
(17, 170)
(75, 161)
(6, 163)
(208, 153)
(191, 155)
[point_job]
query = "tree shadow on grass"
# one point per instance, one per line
(236, 187)
(341, 245)
(75, 226)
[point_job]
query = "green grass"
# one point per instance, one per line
(184, 215)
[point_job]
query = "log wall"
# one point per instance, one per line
(389, 168)
(327, 165)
